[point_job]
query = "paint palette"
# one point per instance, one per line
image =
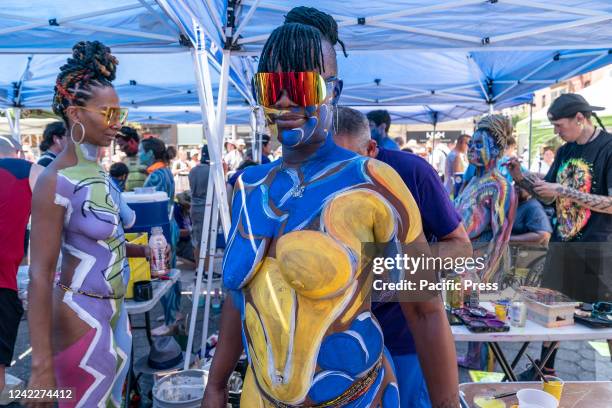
(480, 321)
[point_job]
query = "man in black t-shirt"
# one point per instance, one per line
(579, 184)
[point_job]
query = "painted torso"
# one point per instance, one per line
(487, 205)
(293, 262)
(95, 366)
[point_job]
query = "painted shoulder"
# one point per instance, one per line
(253, 173)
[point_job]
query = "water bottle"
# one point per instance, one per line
(157, 245)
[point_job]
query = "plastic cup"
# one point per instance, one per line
(528, 397)
(554, 386)
(500, 312)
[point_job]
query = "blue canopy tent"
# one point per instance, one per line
(127, 26)
(27, 81)
(487, 53)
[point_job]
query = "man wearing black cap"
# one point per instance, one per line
(579, 184)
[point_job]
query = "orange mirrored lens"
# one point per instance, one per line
(302, 88)
(116, 115)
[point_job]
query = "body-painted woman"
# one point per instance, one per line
(293, 256)
(487, 206)
(488, 202)
(79, 328)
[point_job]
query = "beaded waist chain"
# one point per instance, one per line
(355, 391)
(90, 294)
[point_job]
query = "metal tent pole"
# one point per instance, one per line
(212, 247)
(208, 120)
(204, 243)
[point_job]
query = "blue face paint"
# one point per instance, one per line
(316, 127)
(482, 149)
(145, 158)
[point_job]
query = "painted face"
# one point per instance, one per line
(295, 125)
(482, 149)
(146, 158)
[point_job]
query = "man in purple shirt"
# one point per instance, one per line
(441, 223)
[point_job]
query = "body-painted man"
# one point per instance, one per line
(293, 257)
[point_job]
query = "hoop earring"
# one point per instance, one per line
(82, 133)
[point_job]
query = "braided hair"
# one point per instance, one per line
(292, 47)
(91, 65)
(500, 127)
(318, 19)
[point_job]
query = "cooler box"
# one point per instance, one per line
(139, 267)
(151, 211)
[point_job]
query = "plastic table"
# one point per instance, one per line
(531, 332)
(160, 288)
(576, 394)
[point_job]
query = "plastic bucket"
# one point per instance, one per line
(183, 389)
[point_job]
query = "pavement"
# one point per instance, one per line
(576, 360)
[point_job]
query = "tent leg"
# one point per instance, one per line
(206, 224)
(212, 248)
(12, 116)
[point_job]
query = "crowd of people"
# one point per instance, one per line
(299, 300)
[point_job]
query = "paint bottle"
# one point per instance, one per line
(454, 290)
(471, 293)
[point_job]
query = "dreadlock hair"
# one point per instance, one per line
(593, 114)
(292, 47)
(500, 127)
(318, 19)
(91, 65)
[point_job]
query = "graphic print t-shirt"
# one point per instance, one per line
(586, 168)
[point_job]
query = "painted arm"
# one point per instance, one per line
(227, 353)
(527, 180)
(503, 207)
(47, 222)
(595, 202)
(246, 247)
